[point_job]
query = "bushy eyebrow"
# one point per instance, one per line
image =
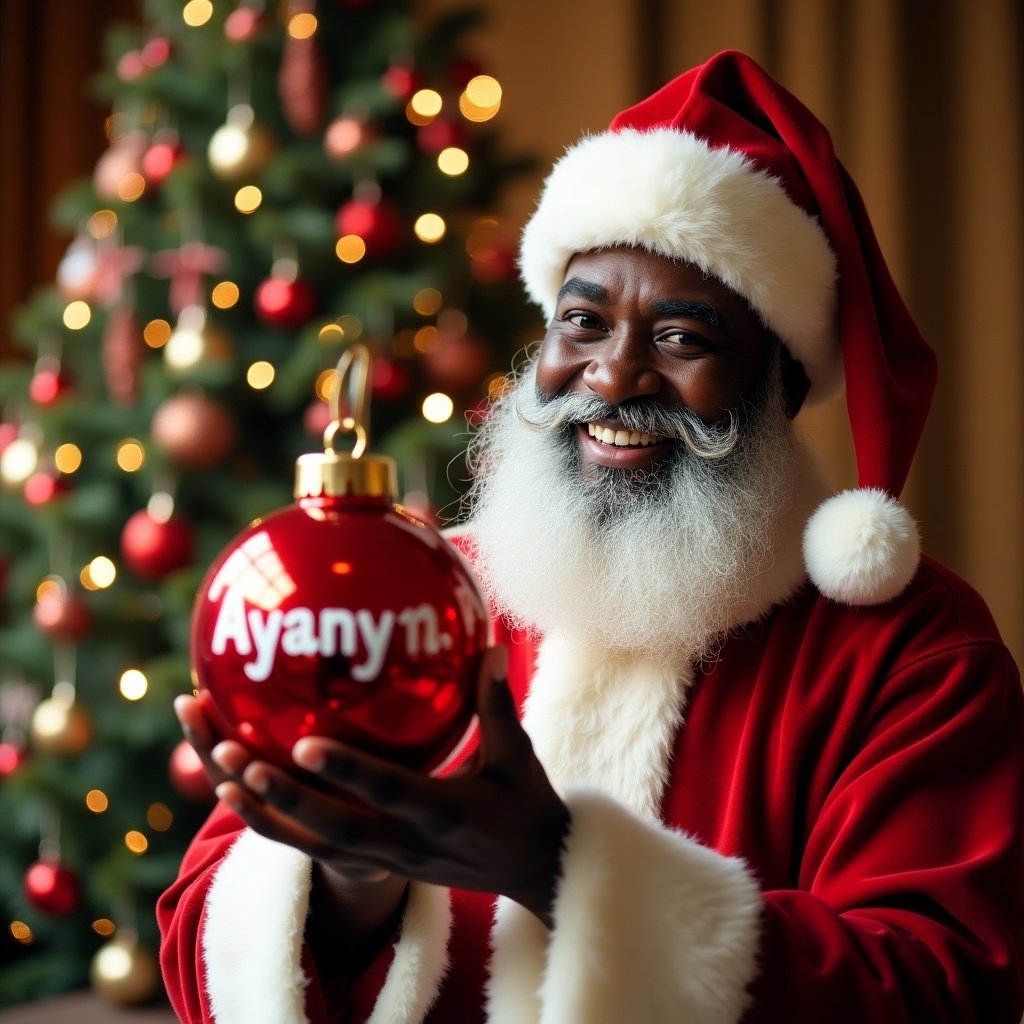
(583, 290)
(690, 310)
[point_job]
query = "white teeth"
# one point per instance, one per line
(622, 438)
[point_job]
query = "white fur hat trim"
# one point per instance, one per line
(861, 547)
(670, 192)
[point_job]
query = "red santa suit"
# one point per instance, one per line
(822, 824)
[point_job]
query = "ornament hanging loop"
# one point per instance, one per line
(351, 380)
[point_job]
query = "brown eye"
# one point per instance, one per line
(584, 321)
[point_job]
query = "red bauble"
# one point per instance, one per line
(341, 617)
(440, 134)
(379, 225)
(44, 486)
(197, 431)
(156, 52)
(131, 66)
(161, 158)
(48, 385)
(153, 548)
(458, 362)
(188, 775)
(12, 756)
(243, 23)
(62, 616)
(283, 303)
(389, 379)
(52, 888)
(400, 81)
(316, 419)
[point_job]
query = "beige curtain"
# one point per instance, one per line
(924, 99)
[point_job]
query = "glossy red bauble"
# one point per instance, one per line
(160, 159)
(12, 757)
(341, 617)
(283, 303)
(188, 775)
(52, 888)
(379, 225)
(152, 548)
(43, 487)
(62, 616)
(243, 23)
(48, 386)
(440, 134)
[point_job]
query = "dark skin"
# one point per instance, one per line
(628, 324)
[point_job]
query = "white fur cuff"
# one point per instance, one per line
(649, 926)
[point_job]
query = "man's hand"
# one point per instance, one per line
(496, 826)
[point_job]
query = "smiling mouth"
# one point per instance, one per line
(623, 438)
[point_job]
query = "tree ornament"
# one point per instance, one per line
(61, 726)
(125, 972)
(389, 379)
(194, 429)
(240, 147)
(194, 344)
(153, 546)
(302, 81)
(123, 157)
(316, 419)
(400, 80)
(122, 353)
(130, 66)
(243, 24)
(284, 302)
(77, 270)
(52, 888)
(44, 486)
(371, 628)
(378, 224)
(12, 757)
(49, 383)
(188, 774)
(440, 134)
(186, 267)
(458, 361)
(61, 614)
(156, 52)
(346, 135)
(163, 156)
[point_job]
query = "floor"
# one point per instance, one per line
(85, 1008)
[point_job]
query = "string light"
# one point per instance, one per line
(156, 333)
(260, 375)
(104, 926)
(159, 817)
(99, 574)
(424, 106)
(97, 801)
(19, 461)
(430, 227)
(50, 587)
(136, 842)
(438, 408)
(425, 339)
(102, 224)
(350, 249)
(68, 458)
(481, 99)
(77, 315)
(331, 333)
(323, 384)
(427, 301)
(131, 456)
(197, 13)
(21, 932)
(302, 25)
(225, 294)
(248, 198)
(133, 685)
(453, 161)
(131, 187)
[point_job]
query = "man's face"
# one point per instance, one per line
(629, 325)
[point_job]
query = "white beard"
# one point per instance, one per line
(663, 567)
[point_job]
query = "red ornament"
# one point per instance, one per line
(283, 303)
(343, 617)
(243, 23)
(463, 71)
(440, 134)
(52, 888)
(378, 224)
(131, 66)
(49, 384)
(44, 486)
(161, 158)
(156, 52)
(389, 379)
(400, 81)
(12, 757)
(345, 136)
(458, 362)
(316, 419)
(61, 616)
(188, 774)
(153, 548)
(302, 84)
(197, 431)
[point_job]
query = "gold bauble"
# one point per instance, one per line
(60, 726)
(193, 344)
(125, 972)
(240, 147)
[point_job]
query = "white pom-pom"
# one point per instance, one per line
(861, 547)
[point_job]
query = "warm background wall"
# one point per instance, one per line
(924, 98)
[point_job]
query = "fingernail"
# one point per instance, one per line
(221, 757)
(227, 794)
(179, 704)
(305, 755)
(256, 778)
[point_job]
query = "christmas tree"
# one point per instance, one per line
(282, 180)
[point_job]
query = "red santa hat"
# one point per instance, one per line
(726, 170)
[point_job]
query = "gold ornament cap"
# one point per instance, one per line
(334, 474)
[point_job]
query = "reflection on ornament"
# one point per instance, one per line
(196, 430)
(52, 888)
(188, 774)
(60, 726)
(153, 548)
(125, 972)
(193, 344)
(240, 147)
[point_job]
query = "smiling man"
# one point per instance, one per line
(757, 758)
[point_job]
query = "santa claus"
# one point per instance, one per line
(745, 754)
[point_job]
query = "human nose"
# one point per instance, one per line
(621, 370)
